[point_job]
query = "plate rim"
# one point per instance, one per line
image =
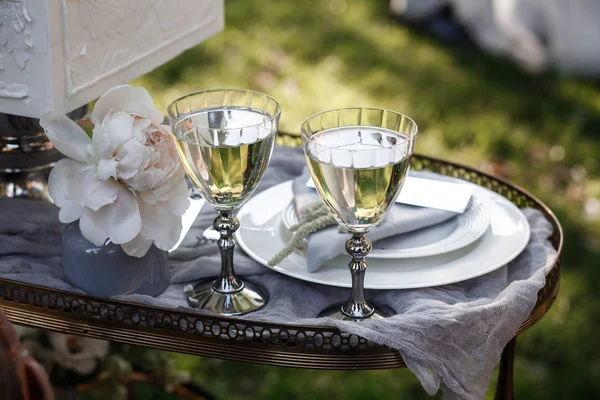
(307, 278)
(390, 254)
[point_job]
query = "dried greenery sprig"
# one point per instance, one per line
(317, 218)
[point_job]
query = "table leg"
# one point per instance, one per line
(504, 388)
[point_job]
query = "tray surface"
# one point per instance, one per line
(243, 339)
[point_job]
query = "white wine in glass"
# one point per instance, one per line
(225, 169)
(358, 159)
(224, 138)
(360, 180)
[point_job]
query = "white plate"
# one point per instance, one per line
(457, 233)
(261, 237)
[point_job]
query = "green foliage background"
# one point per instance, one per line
(541, 132)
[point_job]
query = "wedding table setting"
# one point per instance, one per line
(345, 251)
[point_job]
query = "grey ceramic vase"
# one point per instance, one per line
(108, 271)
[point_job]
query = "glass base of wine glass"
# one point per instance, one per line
(250, 297)
(376, 312)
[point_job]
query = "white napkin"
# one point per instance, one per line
(401, 219)
(425, 192)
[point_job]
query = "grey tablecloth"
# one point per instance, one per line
(450, 336)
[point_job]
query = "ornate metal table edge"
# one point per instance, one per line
(242, 339)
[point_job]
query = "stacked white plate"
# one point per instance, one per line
(491, 233)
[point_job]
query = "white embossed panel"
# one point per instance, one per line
(15, 49)
(103, 36)
(62, 54)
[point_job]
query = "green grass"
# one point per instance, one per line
(541, 132)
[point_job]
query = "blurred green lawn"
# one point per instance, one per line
(541, 132)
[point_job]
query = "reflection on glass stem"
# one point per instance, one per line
(358, 246)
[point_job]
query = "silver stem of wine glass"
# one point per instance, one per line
(358, 246)
(226, 224)
(226, 295)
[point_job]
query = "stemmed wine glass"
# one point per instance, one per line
(224, 139)
(358, 159)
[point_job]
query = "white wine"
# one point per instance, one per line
(358, 172)
(225, 151)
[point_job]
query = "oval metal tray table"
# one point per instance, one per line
(254, 341)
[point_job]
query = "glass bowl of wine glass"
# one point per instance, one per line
(358, 159)
(224, 139)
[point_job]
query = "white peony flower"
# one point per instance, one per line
(71, 352)
(126, 184)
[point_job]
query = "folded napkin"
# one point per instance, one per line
(394, 230)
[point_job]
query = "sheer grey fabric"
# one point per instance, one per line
(450, 336)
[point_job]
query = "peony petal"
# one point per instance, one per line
(163, 227)
(123, 218)
(90, 191)
(85, 366)
(95, 347)
(118, 128)
(68, 137)
(165, 130)
(92, 225)
(138, 247)
(178, 201)
(107, 168)
(171, 230)
(130, 157)
(139, 125)
(135, 100)
(60, 178)
(173, 186)
(146, 196)
(79, 184)
(178, 205)
(59, 341)
(102, 193)
(144, 180)
(102, 147)
(69, 212)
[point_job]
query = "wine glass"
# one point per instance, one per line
(224, 139)
(358, 159)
